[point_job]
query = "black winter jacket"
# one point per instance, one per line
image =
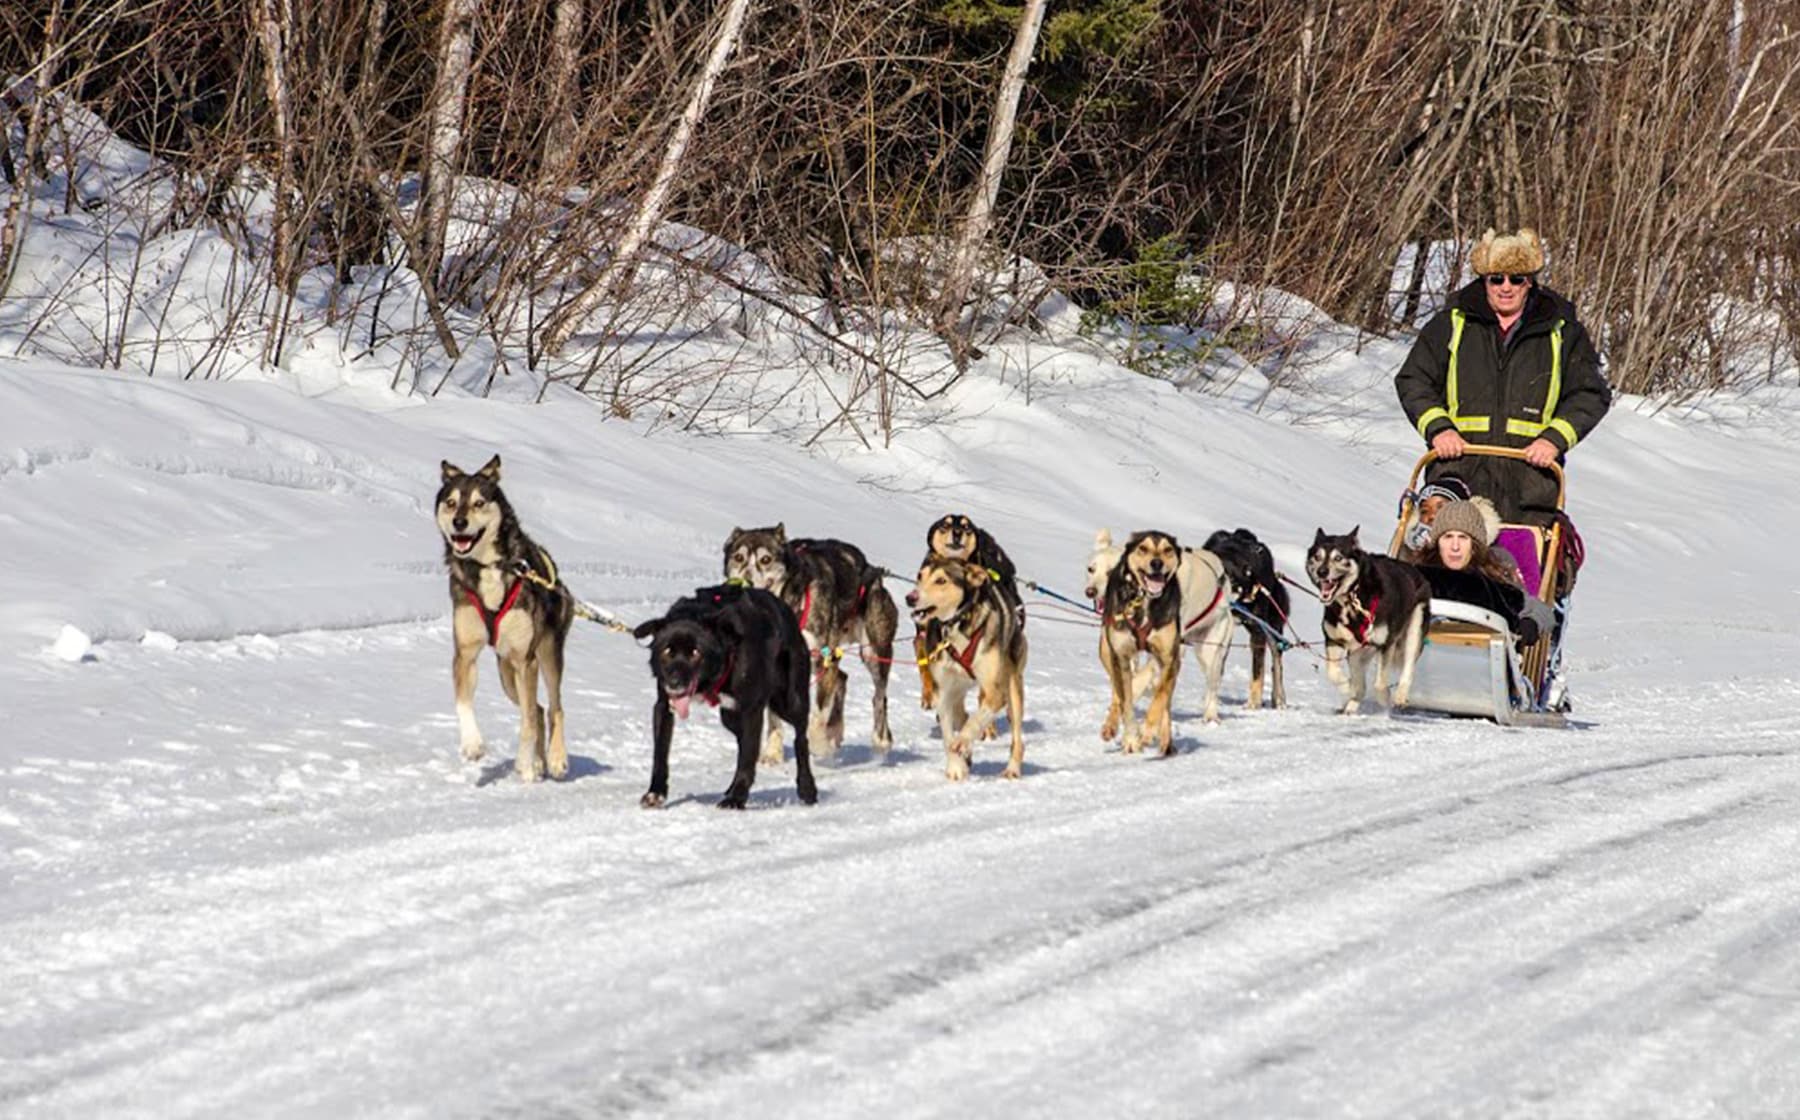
(1505, 396)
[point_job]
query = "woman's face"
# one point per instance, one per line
(1456, 550)
(1428, 508)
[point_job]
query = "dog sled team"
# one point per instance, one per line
(1481, 565)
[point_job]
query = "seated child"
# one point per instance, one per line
(1462, 566)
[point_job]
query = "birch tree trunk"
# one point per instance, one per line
(616, 276)
(449, 97)
(980, 218)
(272, 21)
(28, 94)
(565, 59)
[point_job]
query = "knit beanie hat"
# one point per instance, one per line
(1448, 486)
(1465, 518)
(1521, 252)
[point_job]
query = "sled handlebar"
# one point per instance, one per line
(1431, 456)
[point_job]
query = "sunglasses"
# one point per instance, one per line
(1517, 280)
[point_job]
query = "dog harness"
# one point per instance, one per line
(806, 604)
(492, 619)
(1368, 620)
(1218, 593)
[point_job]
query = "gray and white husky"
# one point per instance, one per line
(504, 593)
(838, 598)
(1374, 608)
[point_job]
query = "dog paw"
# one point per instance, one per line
(558, 768)
(1401, 694)
(1012, 771)
(651, 801)
(770, 757)
(809, 793)
(988, 733)
(472, 751)
(733, 801)
(956, 768)
(1354, 707)
(1108, 730)
(1211, 714)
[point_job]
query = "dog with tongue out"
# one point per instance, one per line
(738, 649)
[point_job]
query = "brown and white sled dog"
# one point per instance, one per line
(1204, 621)
(955, 536)
(981, 642)
(1374, 608)
(838, 598)
(504, 593)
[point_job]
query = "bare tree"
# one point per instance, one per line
(565, 62)
(960, 277)
(26, 97)
(444, 129)
(616, 276)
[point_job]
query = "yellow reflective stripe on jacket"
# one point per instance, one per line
(1457, 320)
(1480, 424)
(1432, 415)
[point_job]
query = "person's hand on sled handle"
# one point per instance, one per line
(1449, 444)
(1541, 452)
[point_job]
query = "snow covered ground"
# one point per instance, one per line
(244, 872)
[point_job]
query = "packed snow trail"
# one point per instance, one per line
(246, 872)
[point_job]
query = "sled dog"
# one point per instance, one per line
(1260, 595)
(1204, 613)
(1374, 607)
(504, 593)
(980, 642)
(838, 599)
(955, 536)
(738, 649)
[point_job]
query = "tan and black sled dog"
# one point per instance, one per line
(504, 593)
(1155, 596)
(981, 642)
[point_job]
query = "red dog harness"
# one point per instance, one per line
(492, 621)
(1218, 593)
(1368, 620)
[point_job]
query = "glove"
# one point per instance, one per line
(1418, 538)
(1528, 632)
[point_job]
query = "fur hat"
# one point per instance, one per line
(1476, 518)
(1515, 252)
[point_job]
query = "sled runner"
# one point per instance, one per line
(1471, 665)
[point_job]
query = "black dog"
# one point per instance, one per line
(739, 649)
(1376, 609)
(1261, 595)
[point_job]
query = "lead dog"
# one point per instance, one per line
(737, 649)
(1205, 623)
(838, 598)
(1374, 608)
(981, 642)
(504, 593)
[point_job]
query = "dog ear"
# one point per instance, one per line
(646, 628)
(977, 574)
(450, 470)
(491, 471)
(781, 534)
(1174, 544)
(1318, 537)
(1352, 535)
(1103, 539)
